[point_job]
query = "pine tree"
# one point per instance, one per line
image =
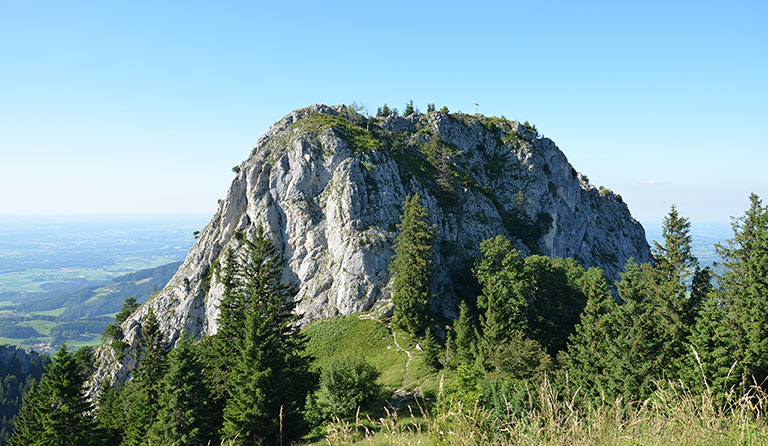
(744, 287)
(585, 359)
(270, 379)
(674, 265)
(410, 268)
(27, 428)
(500, 272)
(346, 384)
(184, 418)
(111, 417)
(464, 338)
(61, 413)
(432, 351)
(141, 395)
(129, 306)
(711, 362)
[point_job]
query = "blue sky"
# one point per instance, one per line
(144, 107)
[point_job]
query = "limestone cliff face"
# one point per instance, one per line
(328, 186)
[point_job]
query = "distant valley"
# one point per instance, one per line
(63, 279)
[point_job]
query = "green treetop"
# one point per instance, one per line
(270, 378)
(744, 287)
(184, 418)
(410, 268)
(61, 414)
(141, 395)
(500, 271)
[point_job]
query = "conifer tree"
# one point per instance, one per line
(270, 379)
(711, 363)
(585, 359)
(184, 418)
(744, 287)
(110, 417)
(674, 258)
(432, 351)
(27, 427)
(409, 108)
(464, 339)
(500, 272)
(141, 395)
(552, 289)
(61, 413)
(635, 356)
(129, 306)
(410, 268)
(674, 265)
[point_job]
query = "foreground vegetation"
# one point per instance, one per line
(671, 415)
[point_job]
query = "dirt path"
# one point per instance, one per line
(407, 362)
(401, 396)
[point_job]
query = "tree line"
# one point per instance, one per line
(666, 321)
(252, 382)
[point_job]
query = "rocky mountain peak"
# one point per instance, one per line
(328, 183)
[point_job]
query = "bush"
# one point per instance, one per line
(345, 384)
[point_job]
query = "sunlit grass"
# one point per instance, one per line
(670, 416)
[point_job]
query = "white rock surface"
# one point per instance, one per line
(333, 212)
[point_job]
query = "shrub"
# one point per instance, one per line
(346, 383)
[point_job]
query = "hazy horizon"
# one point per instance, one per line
(145, 107)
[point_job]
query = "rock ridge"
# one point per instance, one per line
(328, 185)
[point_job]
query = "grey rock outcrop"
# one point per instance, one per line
(328, 186)
(20, 361)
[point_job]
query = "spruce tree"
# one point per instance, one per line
(184, 418)
(635, 357)
(552, 289)
(674, 258)
(409, 108)
(711, 364)
(410, 268)
(673, 267)
(744, 287)
(268, 384)
(27, 428)
(61, 413)
(141, 395)
(585, 359)
(432, 351)
(111, 417)
(464, 338)
(502, 302)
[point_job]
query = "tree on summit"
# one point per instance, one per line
(410, 268)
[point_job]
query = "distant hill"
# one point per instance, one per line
(93, 302)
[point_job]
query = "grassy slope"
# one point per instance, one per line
(363, 335)
(353, 335)
(672, 416)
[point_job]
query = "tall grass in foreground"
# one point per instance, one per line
(671, 416)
